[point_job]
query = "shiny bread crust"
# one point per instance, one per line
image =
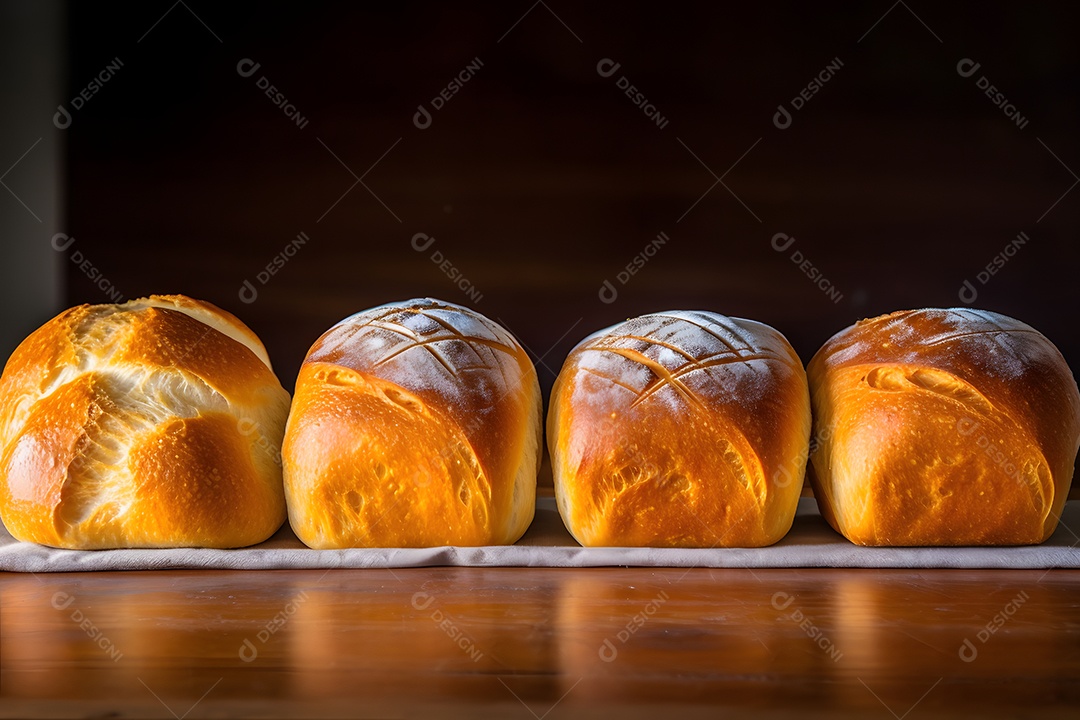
(150, 424)
(943, 427)
(415, 424)
(680, 429)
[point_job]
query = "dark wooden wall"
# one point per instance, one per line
(540, 179)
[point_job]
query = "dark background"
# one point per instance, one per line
(540, 179)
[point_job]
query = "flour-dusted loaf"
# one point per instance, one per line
(680, 429)
(415, 424)
(943, 427)
(156, 423)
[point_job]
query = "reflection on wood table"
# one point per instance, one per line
(522, 643)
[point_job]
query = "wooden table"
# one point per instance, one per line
(536, 643)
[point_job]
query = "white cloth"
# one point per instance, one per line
(811, 543)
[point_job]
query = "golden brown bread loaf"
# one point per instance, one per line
(154, 423)
(415, 424)
(943, 427)
(680, 429)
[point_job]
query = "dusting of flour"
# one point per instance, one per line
(427, 345)
(1000, 346)
(679, 357)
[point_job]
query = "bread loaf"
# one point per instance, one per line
(415, 424)
(680, 429)
(943, 427)
(156, 423)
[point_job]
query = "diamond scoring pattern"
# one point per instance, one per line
(665, 377)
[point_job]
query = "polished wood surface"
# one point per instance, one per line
(521, 643)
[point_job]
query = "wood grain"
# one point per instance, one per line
(521, 643)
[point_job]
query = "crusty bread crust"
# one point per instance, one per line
(943, 427)
(680, 429)
(154, 423)
(415, 424)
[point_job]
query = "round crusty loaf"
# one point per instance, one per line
(415, 424)
(149, 424)
(680, 429)
(943, 427)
